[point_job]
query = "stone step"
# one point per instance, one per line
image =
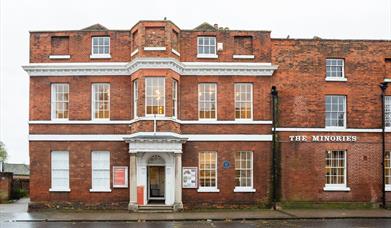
(155, 208)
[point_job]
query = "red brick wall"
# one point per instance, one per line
(79, 171)
(79, 46)
(300, 80)
(5, 186)
(261, 46)
(226, 177)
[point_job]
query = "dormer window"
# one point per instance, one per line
(100, 47)
(206, 46)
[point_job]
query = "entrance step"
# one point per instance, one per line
(155, 208)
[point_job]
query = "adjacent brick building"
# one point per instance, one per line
(158, 115)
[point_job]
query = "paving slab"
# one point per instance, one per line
(338, 213)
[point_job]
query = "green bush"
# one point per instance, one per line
(19, 193)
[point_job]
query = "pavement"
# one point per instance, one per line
(17, 212)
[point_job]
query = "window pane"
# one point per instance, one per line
(101, 100)
(207, 169)
(243, 168)
(207, 100)
(335, 167)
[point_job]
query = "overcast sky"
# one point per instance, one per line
(348, 19)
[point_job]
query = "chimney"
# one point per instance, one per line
(216, 26)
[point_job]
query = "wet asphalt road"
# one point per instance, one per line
(359, 223)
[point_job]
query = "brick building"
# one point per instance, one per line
(158, 115)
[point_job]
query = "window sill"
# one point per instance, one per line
(208, 190)
(59, 120)
(59, 56)
(101, 56)
(336, 189)
(154, 48)
(100, 190)
(388, 188)
(335, 128)
(100, 120)
(59, 190)
(244, 189)
(207, 56)
(206, 120)
(339, 79)
(243, 56)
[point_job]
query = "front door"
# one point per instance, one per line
(156, 183)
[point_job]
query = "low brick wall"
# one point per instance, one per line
(5, 186)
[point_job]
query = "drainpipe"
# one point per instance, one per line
(274, 94)
(383, 87)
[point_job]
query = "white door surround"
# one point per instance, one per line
(142, 148)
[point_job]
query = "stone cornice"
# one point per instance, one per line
(127, 68)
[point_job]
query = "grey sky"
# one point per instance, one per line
(348, 19)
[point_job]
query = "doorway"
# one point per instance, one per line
(156, 184)
(156, 180)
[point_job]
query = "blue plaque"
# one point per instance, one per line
(226, 164)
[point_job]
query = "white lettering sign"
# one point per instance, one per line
(323, 138)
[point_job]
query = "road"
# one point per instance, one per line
(332, 223)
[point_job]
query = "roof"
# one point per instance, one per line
(205, 27)
(17, 169)
(95, 27)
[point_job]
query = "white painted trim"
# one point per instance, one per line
(154, 48)
(128, 68)
(387, 80)
(120, 137)
(59, 56)
(244, 189)
(59, 190)
(100, 190)
(175, 52)
(387, 187)
(207, 56)
(329, 129)
(134, 52)
(336, 189)
(100, 56)
(243, 56)
(208, 189)
(150, 118)
(336, 79)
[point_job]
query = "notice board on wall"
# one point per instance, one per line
(120, 176)
(189, 177)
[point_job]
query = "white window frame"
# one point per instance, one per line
(207, 55)
(199, 101)
(208, 188)
(344, 116)
(337, 187)
(387, 165)
(54, 101)
(329, 64)
(64, 169)
(100, 55)
(146, 95)
(175, 98)
(241, 101)
(245, 188)
(93, 107)
(135, 98)
(95, 188)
